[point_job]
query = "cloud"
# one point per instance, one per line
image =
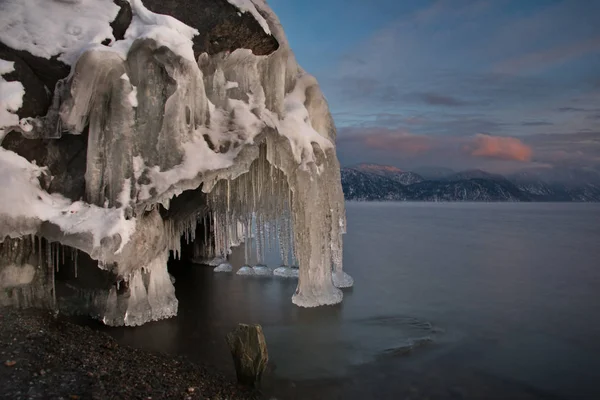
(536, 123)
(580, 149)
(407, 143)
(415, 120)
(406, 149)
(435, 99)
(550, 57)
(571, 109)
(498, 147)
(396, 141)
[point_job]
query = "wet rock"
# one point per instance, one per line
(36, 99)
(48, 70)
(67, 352)
(65, 158)
(249, 351)
(122, 20)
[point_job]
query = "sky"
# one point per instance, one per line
(501, 85)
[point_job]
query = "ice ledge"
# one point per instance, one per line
(25, 208)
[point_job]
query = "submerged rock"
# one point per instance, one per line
(249, 351)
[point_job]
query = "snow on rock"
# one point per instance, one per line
(47, 28)
(224, 267)
(11, 98)
(80, 217)
(164, 29)
(286, 272)
(248, 6)
(26, 205)
(245, 270)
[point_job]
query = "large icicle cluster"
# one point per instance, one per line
(258, 202)
(254, 132)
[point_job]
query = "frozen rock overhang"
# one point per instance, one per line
(145, 120)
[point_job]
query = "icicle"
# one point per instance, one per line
(252, 208)
(57, 263)
(228, 196)
(257, 243)
(50, 267)
(75, 262)
(205, 222)
(247, 243)
(39, 239)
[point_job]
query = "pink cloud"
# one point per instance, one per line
(498, 147)
(400, 142)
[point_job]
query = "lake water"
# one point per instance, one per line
(451, 300)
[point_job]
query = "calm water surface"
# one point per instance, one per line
(451, 300)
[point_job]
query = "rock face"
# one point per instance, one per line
(249, 351)
(142, 136)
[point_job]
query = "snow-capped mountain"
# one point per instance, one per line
(393, 173)
(371, 182)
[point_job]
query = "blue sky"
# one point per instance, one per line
(500, 85)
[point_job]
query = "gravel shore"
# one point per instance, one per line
(47, 357)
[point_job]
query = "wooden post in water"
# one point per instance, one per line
(249, 351)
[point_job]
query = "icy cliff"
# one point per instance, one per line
(126, 133)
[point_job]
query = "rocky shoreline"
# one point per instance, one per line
(45, 356)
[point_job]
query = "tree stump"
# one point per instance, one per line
(249, 351)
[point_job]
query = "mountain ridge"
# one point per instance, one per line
(375, 182)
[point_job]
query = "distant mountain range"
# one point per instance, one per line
(370, 182)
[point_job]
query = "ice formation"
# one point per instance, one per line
(245, 270)
(224, 267)
(342, 280)
(262, 270)
(286, 272)
(253, 132)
